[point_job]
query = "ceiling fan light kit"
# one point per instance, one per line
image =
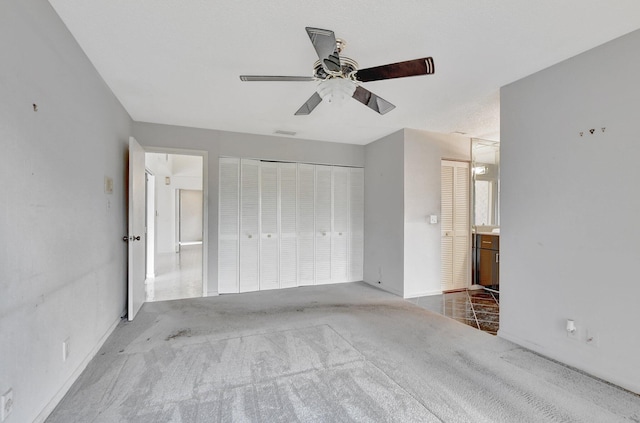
(339, 77)
(336, 90)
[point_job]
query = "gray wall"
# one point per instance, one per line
(423, 154)
(402, 187)
(384, 211)
(570, 207)
(232, 144)
(62, 259)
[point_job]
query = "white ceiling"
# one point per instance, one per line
(177, 62)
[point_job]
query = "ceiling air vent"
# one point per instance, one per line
(290, 133)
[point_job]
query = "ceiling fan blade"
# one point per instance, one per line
(275, 78)
(372, 101)
(415, 67)
(324, 41)
(311, 104)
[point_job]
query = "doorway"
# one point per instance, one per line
(176, 219)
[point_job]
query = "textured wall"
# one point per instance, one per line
(569, 211)
(62, 259)
(423, 154)
(383, 213)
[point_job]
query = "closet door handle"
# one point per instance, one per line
(497, 257)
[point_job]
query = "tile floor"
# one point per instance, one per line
(476, 308)
(178, 275)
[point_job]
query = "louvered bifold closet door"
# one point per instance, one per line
(228, 225)
(455, 225)
(356, 224)
(288, 225)
(461, 264)
(340, 224)
(323, 224)
(249, 225)
(446, 225)
(269, 245)
(306, 224)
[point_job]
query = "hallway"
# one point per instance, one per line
(178, 275)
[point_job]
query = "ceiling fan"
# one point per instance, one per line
(340, 77)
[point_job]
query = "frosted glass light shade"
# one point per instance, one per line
(336, 90)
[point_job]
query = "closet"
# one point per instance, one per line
(283, 225)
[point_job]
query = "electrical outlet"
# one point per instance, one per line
(66, 349)
(6, 404)
(575, 335)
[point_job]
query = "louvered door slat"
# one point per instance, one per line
(461, 222)
(288, 225)
(306, 224)
(249, 225)
(455, 225)
(340, 224)
(356, 224)
(323, 224)
(269, 246)
(228, 225)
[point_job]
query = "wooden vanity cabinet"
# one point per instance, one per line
(487, 260)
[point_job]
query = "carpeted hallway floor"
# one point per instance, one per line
(334, 353)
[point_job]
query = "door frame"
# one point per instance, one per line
(205, 203)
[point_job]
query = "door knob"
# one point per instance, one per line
(125, 238)
(136, 238)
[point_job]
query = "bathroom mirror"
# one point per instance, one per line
(485, 157)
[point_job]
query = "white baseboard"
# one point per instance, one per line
(74, 376)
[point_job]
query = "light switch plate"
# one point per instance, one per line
(108, 185)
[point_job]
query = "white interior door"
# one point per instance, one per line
(323, 224)
(150, 254)
(249, 225)
(306, 224)
(269, 245)
(288, 174)
(356, 224)
(228, 225)
(455, 225)
(136, 237)
(340, 224)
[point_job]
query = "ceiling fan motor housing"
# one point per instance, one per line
(347, 66)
